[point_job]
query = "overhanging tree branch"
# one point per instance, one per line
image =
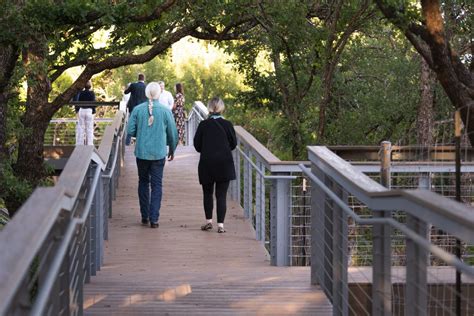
(429, 39)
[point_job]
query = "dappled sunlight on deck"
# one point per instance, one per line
(167, 295)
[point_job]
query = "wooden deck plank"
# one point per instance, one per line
(178, 269)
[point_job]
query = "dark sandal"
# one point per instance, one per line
(207, 226)
(220, 230)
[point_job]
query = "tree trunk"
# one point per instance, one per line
(430, 40)
(3, 125)
(327, 96)
(8, 59)
(30, 163)
(425, 115)
(297, 144)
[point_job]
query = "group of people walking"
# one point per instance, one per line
(138, 96)
(157, 123)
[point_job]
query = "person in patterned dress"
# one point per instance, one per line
(178, 112)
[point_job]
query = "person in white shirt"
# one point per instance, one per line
(166, 98)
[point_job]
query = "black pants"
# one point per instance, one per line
(221, 194)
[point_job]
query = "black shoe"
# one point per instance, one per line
(154, 225)
(207, 226)
(144, 221)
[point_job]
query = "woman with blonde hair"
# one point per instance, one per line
(153, 126)
(215, 139)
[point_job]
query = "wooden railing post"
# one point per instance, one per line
(381, 253)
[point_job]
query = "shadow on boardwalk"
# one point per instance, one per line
(179, 270)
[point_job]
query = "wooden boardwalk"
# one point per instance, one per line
(178, 269)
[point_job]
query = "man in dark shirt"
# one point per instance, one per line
(137, 96)
(137, 93)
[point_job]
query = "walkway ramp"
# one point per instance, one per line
(178, 269)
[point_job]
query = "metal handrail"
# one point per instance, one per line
(262, 174)
(62, 198)
(449, 215)
(437, 251)
(335, 180)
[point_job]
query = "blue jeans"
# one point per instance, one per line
(150, 175)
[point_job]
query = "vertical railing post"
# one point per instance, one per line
(93, 226)
(258, 202)
(80, 268)
(231, 191)
(317, 229)
(381, 253)
(340, 286)
(249, 185)
(280, 222)
(65, 279)
(263, 208)
(417, 291)
(322, 236)
(98, 225)
(247, 176)
(238, 173)
(87, 250)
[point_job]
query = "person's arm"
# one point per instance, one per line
(198, 138)
(129, 88)
(132, 124)
(171, 134)
(93, 96)
(232, 138)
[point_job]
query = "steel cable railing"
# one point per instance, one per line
(280, 200)
(409, 287)
(55, 242)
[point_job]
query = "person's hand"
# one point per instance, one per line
(170, 156)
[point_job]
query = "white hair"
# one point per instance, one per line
(216, 105)
(152, 92)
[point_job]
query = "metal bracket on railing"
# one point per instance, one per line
(260, 172)
(198, 114)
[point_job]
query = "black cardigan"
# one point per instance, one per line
(215, 139)
(86, 95)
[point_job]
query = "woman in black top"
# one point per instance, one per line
(85, 117)
(215, 139)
